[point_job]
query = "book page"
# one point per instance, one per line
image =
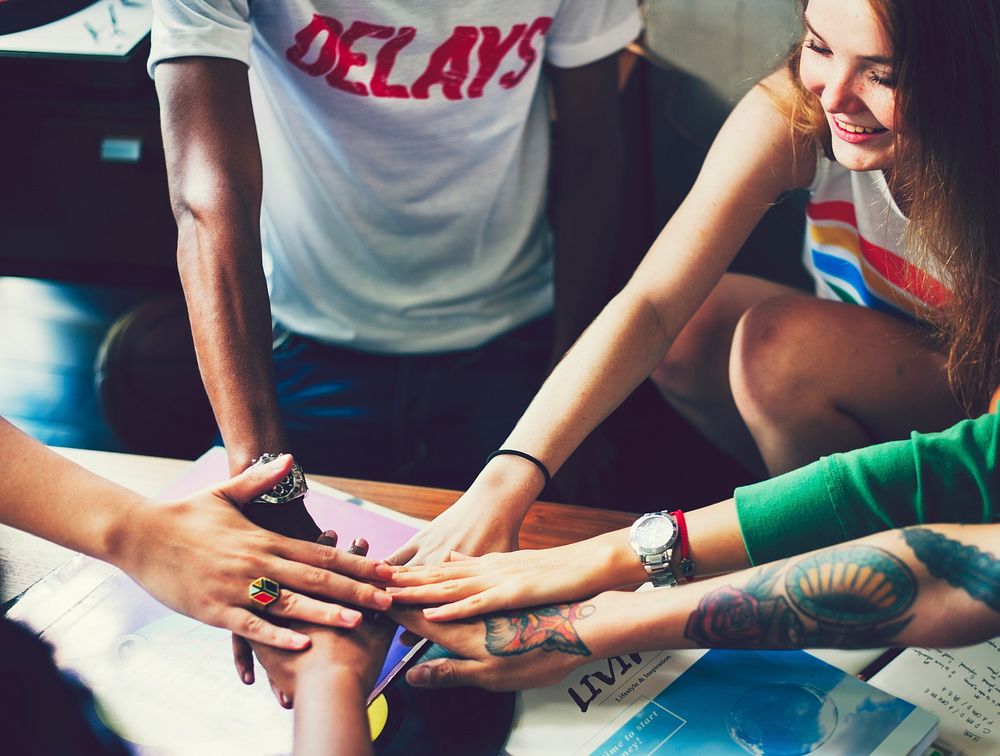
(960, 685)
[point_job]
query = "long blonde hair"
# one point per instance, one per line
(946, 62)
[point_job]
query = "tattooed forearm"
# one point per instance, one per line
(549, 628)
(847, 597)
(966, 567)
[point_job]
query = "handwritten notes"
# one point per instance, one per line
(960, 685)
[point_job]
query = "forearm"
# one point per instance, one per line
(216, 183)
(933, 585)
(45, 494)
(220, 266)
(330, 714)
(613, 356)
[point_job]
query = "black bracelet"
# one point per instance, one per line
(523, 455)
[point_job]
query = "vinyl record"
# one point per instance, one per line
(418, 721)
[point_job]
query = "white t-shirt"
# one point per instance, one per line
(405, 149)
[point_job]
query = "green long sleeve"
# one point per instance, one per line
(951, 476)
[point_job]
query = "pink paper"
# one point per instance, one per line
(350, 520)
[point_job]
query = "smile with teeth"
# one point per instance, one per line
(852, 129)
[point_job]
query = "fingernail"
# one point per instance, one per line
(329, 537)
(419, 675)
(248, 678)
(350, 615)
(432, 611)
(384, 570)
(301, 640)
(383, 600)
(284, 700)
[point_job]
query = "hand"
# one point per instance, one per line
(289, 519)
(198, 556)
(359, 651)
(527, 648)
(485, 519)
(464, 587)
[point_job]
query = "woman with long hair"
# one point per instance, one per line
(887, 111)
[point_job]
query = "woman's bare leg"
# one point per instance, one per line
(812, 377)
(694, 375)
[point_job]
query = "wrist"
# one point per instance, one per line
(331, 682)
(512, 480)
(122, 540)
(622, 565)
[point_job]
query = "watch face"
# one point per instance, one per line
(654, 533)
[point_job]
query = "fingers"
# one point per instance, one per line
(327, 538)
(294, 605)
(257, 629)
(423, 574)
(435, 593)
(359, 547)
(330, 573)
(330, 559)
(446, 673)
(243, 659)
(255, 480)
(473, 606)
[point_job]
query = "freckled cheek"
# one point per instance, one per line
(810, 78)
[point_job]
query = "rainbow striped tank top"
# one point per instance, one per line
(854, 247)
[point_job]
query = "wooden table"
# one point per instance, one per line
(24, 559)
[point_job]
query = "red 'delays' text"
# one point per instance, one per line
(452, 66)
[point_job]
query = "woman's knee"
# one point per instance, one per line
(774, 363)
(696, 361)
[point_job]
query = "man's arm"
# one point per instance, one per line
(587, 162)
(215, 176)
(921, 586)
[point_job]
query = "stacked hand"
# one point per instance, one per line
(199, 555)
(465, 587)
(359, 651)
(511, 650)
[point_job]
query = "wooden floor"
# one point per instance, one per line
(50, 334)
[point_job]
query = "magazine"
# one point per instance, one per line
(717, 702)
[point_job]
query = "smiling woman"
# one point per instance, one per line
(886, 111)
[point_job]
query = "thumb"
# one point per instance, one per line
(444, 673)
(255, 480)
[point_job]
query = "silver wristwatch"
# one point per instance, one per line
(653, 537)
(292, 486)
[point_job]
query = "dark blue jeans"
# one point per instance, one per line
(427, 419)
